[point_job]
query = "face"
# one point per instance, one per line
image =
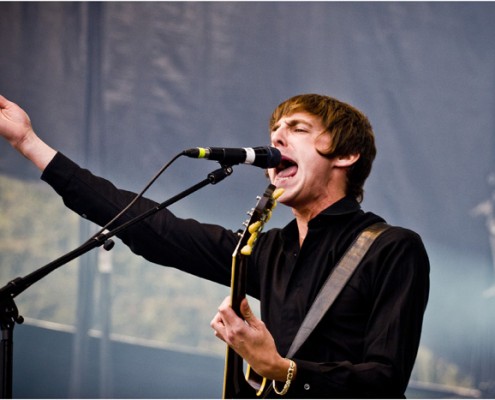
(305, 175)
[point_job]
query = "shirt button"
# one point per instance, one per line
(307, 386)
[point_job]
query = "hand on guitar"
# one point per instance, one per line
(250, 338)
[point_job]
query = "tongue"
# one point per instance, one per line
(285, 173)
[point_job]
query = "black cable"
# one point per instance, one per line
(138, 196)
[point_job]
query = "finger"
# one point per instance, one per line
(217, 323)
(225, 303)
(247, 312)
(227, 314)
(218, 326)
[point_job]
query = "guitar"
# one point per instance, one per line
(237, 384)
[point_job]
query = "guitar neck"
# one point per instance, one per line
(235, 383)
(238, 284)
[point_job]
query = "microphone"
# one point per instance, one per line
(263, 157)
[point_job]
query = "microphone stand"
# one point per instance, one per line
(9, 314)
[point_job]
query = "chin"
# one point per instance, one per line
(286, 196)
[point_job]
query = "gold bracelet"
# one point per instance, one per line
(290, 375)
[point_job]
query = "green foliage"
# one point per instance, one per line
(147, 301)
(433, 369)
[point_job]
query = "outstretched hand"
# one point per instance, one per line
(249, 337)
(15, 125)
(16, 128)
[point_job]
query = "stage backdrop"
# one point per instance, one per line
(121, 87)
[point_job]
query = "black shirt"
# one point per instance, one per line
(366, 344)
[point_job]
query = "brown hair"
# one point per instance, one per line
(349, 129)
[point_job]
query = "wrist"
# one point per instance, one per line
(276, 370)
(290, 375)
(284, 368)
(35, 150)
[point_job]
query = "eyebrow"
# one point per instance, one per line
(291, 123)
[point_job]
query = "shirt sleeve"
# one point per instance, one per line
(394, 278)
(204, 250)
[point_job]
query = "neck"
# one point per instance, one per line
(306, 214)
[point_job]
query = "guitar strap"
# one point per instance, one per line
(336, 282)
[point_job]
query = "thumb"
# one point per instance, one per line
(246, 311)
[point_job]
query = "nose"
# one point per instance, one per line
(279, 136)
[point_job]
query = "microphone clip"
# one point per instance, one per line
(220, 174)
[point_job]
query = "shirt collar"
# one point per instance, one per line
(346, 205)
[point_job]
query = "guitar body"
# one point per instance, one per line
(239, 383)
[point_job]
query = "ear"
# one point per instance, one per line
(346, 161)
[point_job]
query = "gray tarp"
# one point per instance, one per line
(107, 83)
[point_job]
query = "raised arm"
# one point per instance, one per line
(16, 128)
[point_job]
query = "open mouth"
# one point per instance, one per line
(287, 168)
